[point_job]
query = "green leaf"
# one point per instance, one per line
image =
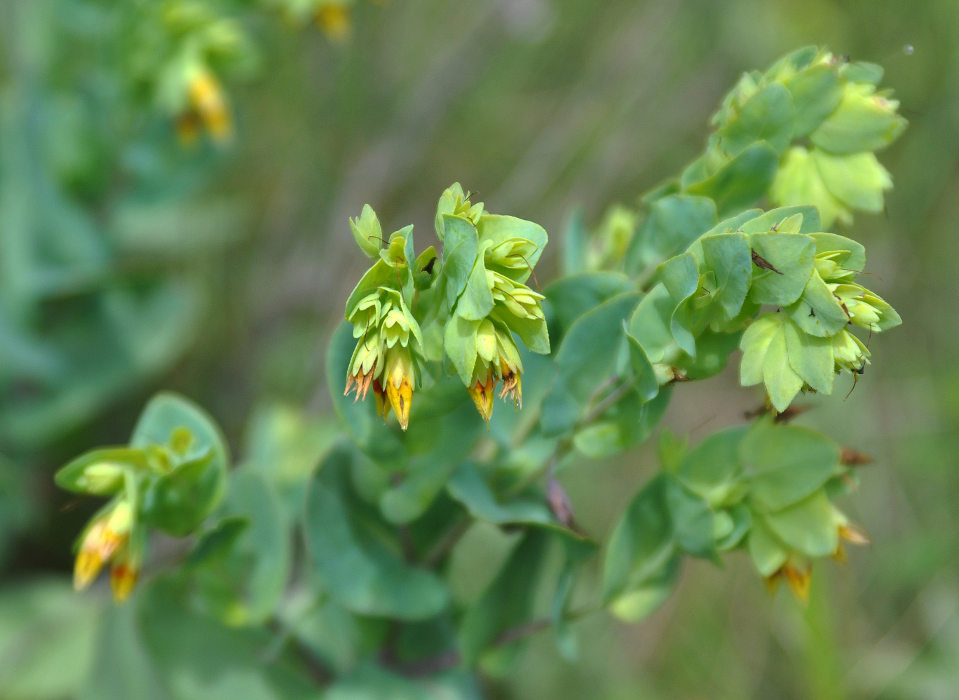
(863, 121)
(680, 276)
(786, 463)
(571, 296)
(460, 249)
(692, 520)
(367, 232)
(47, 639)
(818, 312)
(816, 92)
(809, 527)
(792, 255)
(507, 602)
(774, 220)
(468, 487)
(798, 181)
(766, 359)
(459, 342)
(711, 469)
(628, 422)
(649, 324)
(352, 560)
(857, 180)
(476, 300)
(100, 472)
(671, 224)
(647, 386)
(766, 116)
(495, 229)
(810, 357)
(742, 181)
(728, 257)
(583, 359)
(765, 549)
(855, 255)
(244, 584)
(641, 549)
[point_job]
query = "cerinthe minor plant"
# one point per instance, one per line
(656, 296)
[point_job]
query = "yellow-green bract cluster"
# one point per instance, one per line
(804, 132)
(469, 303)
(778, 260)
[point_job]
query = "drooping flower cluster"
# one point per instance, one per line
(473, 301)
(170, 478)
(178, 57)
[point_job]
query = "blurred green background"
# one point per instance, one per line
(128, 263)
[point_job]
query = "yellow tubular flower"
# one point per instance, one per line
(208, 102)
(481, 391)
(333, 19)
(400, 378)
(105, 536)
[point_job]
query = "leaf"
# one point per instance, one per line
(863, 121)
(76, 476)
(468, 487)
(855, 255)
(583, 359)
(692, 520)
(766, 116)
(728, 257)
(671, 224)
(809, 526)
(571, 296)
(680, 276)
(243, 585)
(640, 556)
(495, 228)
(742, 181)
(774, 220)
(353, 563)
(818, 313)
(792, 254)
(476, 300)
(766, 359)
(628, 422)
(816, 92)
(798, 181)
(810, 357)
(460, 249)
(47, 639)
(857, 180)
(765, 549)
(649, 324)
(786, 463)
(507, 602)
(196, 658)
(711, 469)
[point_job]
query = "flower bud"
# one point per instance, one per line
(849, 352)
(208, 102)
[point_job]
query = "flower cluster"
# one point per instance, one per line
(471, 301)
(177, 57)
(170, 477)
(801, 348)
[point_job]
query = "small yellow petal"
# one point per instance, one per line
(86, 568)
(122, 580)
(401, 399)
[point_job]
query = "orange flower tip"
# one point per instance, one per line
(86, 568)
(482, 395)
(853, 535)
(799, 580)
(840, 554)
(122, 581)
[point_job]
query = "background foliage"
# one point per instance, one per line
(117, 247)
